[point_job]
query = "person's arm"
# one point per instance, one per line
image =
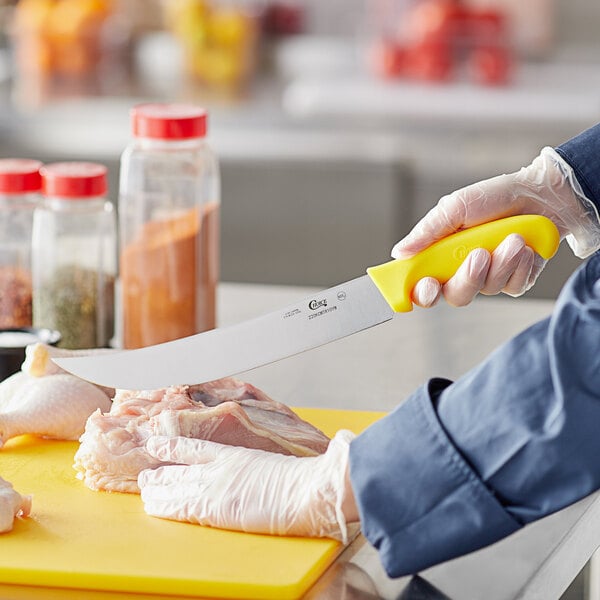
(460, 465)
(582, 154)
(561, 184)
(454, 468)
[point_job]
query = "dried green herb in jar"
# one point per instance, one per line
(15, 297)
(79, 303)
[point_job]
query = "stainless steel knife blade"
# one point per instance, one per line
(327, 316)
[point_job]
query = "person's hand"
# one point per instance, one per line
(250, 490)
(546, 187)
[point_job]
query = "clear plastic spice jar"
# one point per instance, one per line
(19, 194)
(169, 208)
(74, 255)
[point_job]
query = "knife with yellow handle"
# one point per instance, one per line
(397, 278)
(319, 319)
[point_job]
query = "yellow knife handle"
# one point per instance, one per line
(397, 278)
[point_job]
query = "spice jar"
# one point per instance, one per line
(74, 255)
(169, 201)
(19, 194)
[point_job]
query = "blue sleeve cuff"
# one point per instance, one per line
(526, 419)
(419, 501)
(583, 154)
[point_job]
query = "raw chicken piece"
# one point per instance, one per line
(9, 391)
(56, 406)
(38, 361)
(112, 452)
(242, 415)
(12, 505)
(43, 399)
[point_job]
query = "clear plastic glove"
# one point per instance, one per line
(248, 490)
(546, 187)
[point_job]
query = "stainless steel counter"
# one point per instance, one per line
(375, 370)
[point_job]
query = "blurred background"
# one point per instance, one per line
(337, 124)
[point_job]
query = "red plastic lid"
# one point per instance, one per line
(19, 175)
(168, 121)
(74, 179)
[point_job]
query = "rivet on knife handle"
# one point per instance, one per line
(397, 278)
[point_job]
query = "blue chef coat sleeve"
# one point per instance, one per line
(583, 154)
(460, 465)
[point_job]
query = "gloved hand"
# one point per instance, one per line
(249, 490)
(546, 187)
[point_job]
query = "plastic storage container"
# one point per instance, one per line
(19, 194)
(169, 206)
(442, 40)
(219, 40)
(74, 255)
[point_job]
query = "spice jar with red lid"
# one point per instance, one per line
(74, 255)
(19, 194)
(169, 202)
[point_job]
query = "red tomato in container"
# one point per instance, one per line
(486, 28)
(434, 21)
(387, 59)
(490, 66)
(429, 62)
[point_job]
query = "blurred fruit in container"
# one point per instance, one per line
(32, 44)
(219, 39)
(434, 21)
(281, 18)
(387, 59)
(68, 40)
(74, 33)
(440, 40)
(490, 59)
(428, 61)
(490, 66)
(532, 24)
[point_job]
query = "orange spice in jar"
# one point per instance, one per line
(169, 227)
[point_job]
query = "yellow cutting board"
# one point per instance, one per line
(78, 538)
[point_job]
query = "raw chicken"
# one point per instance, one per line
(39, 364)
(42, 399)
(9, 391)
(112, 453)
(12, 505)
(56, 406)
(243, 415)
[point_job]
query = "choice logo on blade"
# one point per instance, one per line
(314, 304)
